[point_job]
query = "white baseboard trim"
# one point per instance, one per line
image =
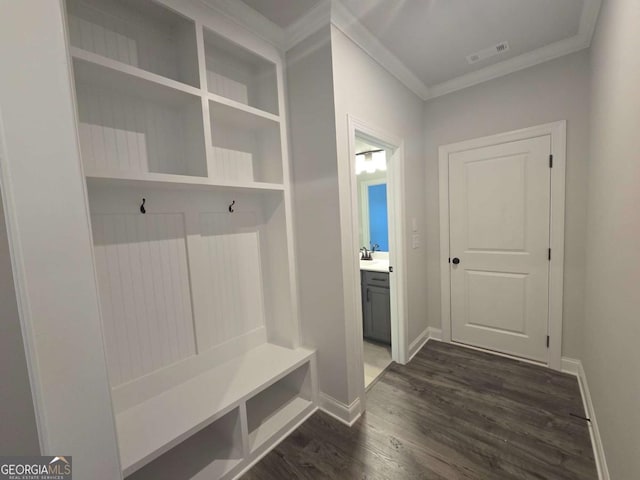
(435, 333)
(347, 414)
(571, 366)
(418, 343)
(429, 333)
(574, 367)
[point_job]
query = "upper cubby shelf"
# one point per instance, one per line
(138, 33)
(94, 69)
(236, 73)
(151, 180)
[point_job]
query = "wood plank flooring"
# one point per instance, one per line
(451, 413)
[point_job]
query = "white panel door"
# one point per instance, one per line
(499, 198)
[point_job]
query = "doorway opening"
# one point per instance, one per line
(377, 201)
(373, 222)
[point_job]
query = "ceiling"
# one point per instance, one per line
(433, 37)
(425, 43)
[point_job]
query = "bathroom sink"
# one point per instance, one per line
(376, 265)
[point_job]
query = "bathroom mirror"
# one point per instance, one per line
(371, 171)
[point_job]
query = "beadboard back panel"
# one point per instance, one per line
(137, 33)
(188, 283)
(143, 279)
(226, 87)
(231, 165)
(232, 275)
(127, 133)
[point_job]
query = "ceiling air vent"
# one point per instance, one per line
(502, 47)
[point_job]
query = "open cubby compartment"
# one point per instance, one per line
(208, 454)
(272, 411)
(128, 124)
(140, 33)
(189, 284)
(197, 305)
(241, 270)
(245, 147)
(236, 73)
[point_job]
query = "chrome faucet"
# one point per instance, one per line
(366, 254)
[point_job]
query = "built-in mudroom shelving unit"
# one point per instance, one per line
(184, 145)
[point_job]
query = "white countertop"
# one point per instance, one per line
(375, 265)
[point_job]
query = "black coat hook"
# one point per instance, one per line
(142, 209)
(231, 206)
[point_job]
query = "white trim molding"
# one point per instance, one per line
(243, 15)
(418, 343)
(347, 23)
(335, 12)
(347, 414)
(316, 18)
(349, 218)
(578, 42)
(557, 131)
(574, 367)
(428, 334)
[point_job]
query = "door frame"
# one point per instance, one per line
(557, 131)
(397, 257)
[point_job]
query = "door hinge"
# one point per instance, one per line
(549, 254)
(547, 341)
(550, 161)
(390, 269)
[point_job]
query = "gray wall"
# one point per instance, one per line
(612, 327)
(371, 94)
(316, 208)
(328, 78)
(18, 435)
(556, 90)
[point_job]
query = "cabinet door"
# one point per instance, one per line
(378, 310)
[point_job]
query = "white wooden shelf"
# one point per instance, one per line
(101, 71)
(240, 74)
(152, 427)
(238, 114)
(150, 179)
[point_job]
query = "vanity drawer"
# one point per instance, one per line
(378, 279)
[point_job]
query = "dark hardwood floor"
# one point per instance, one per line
(451, 413)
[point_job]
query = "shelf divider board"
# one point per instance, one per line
(151, 428)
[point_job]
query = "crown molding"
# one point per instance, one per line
(335, 13)
(348, 24)
(318, 17)
(526, 60)
(580, 41)
(245, 16)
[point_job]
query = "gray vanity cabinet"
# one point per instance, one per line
(376, 306)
